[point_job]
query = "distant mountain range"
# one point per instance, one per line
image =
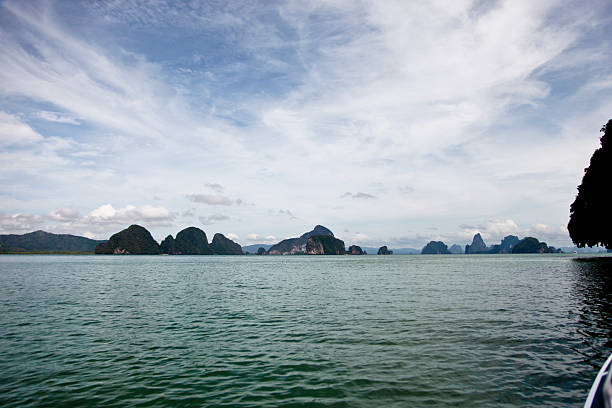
(41, 241)
(252, 249)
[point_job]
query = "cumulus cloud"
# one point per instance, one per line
(20, 223)
(97, 223)
(108, 214)
(548, 233)
(423, 101)
(64, 214)
(261, 239)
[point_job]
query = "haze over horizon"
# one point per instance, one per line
(391, 123)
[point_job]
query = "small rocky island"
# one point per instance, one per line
(383, 250)
(435, 248)
(356, 250)
(134, 240)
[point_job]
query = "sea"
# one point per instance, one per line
(302, 331)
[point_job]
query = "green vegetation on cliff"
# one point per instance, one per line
(46, 242)
(435, 248)
(297, 245)
(134, 240)
(531, 245)
(590, 217)
(192, 241)
(168, 245)
(221, 245)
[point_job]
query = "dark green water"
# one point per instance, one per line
(404, 331)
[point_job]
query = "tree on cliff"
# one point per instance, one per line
(590, 217)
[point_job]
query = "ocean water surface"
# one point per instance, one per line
(346, 331)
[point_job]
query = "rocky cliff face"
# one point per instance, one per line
(314, 247)
(324, 245)
(134, 240)
(478, 246)
(508, 243)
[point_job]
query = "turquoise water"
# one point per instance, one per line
(347, 331)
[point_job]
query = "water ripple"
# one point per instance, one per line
(302, 331)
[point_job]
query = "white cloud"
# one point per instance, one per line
(211, 219)
(358, 196)
(108, 214)
(20, 223)
(232, 236)
(14, 132)
(254, 238)
(432, 103)
(211, 199)
(64, 214)
(216, 187)
(57, 117)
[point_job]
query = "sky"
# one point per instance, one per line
(389, 122)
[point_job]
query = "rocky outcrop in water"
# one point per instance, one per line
(221, 245)
(134, 240)
(435, 248)
(168, 246)
(192, 241)
(294, 246)
(383, 250)
(478, 246)
(531, 245)
(355, 250)
(455, 249)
